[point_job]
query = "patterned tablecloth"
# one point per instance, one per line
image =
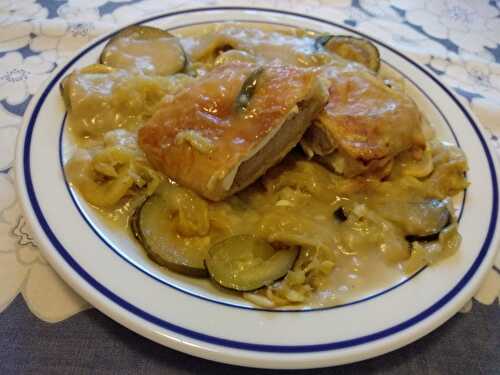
(458, 40)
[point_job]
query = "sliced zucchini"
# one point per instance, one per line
(435, 216)
(248, 89)
(434, 236)
(320, 41)
(134, 224)
(246, 263)
(351, 48)
(146, 50)
(421, 220)
(428, 238)
(149, 225)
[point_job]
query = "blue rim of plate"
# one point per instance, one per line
(26, 163)
(110, 246)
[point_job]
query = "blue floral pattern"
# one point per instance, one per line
(458, 40)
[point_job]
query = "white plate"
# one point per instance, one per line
(111, 272)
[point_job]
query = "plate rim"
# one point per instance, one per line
(470, 284)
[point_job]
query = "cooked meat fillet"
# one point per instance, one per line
(364, 120)
(203, 139)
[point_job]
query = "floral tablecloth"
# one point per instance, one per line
(459, 40)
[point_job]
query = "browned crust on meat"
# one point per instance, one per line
(208, 108)
(368, 120)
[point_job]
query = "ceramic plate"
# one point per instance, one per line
(112, 273)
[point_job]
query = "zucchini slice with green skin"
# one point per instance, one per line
(245, 263)
(351, 48)
(248, 89)
(421, 219)
(148, 225)
(424, 220)
(428, 238)
(442, 222)
(134, 224)
(320, 41)
(145, 49)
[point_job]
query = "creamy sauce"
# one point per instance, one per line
(294, 203)
(356, 274)
(146, 56)
(355, 277)
(267, 43)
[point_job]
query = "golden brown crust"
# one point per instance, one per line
(208, 109)
(368, 120)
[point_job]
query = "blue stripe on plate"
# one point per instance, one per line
(238, 344)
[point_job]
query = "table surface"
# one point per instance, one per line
(47, 328)
(92, 343)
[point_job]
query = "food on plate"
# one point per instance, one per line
(146, 50)
(351, 48)
(230, 126)
(364, 126)
(247, 263)
(282, 164)
(102, 98)
(155, 215)
(106, 176)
